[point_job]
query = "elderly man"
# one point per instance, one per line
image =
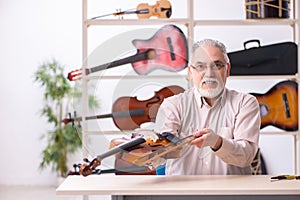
(225, 123)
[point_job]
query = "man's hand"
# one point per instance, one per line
(207, 137)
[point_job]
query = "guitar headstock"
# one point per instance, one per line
(67, 120)
(72, 120)
(75, 75)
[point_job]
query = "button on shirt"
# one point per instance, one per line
(235, 116)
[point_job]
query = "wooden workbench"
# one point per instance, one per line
(180, 187)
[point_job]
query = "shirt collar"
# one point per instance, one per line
(201, 101)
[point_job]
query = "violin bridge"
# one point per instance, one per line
(155, 158)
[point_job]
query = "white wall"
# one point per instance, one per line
(33, 31)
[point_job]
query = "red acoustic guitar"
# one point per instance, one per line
(279, 106)
(166, 50)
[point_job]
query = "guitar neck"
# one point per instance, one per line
(127, 113)
(146, 55)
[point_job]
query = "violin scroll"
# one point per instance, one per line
(88, 169)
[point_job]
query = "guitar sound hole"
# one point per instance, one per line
(286, 105)
(264, 110)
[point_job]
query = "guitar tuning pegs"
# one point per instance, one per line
(70, 119)
(75, 115)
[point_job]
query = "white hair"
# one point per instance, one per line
(213, 43)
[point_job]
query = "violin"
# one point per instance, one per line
(128, 150)
(162, 9)
(128, 113)
(166, 50)
(126, 159)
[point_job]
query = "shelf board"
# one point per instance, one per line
(116, 132)
(200, 22)
(114, 22)
(263, 77)
(110, 132)
(294, 133)
(181, 76)
(246, 22)
(132, 77)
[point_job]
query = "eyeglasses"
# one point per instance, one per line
(215, 66)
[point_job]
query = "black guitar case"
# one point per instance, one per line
(275, 59)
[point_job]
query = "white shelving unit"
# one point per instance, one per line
(190, 23)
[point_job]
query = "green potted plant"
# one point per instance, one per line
(63, 139)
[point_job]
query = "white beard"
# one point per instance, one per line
(210, 93)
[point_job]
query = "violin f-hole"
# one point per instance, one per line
(153, 108)
(153, 102)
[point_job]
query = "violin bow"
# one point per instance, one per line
(148, 159)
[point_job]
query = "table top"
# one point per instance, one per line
(177, 185)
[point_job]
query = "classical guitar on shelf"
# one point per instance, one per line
(279, 106)
(166, 50)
